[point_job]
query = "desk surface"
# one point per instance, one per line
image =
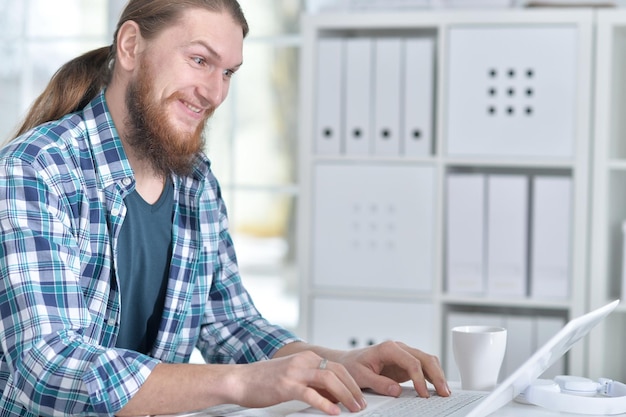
(513, 409)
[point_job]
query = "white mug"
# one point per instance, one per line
(479, 352)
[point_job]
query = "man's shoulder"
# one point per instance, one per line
(67, 134)
(71, 133)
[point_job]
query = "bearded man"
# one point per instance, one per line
(115, 255)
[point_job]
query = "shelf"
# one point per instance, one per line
(616, 165)
(524, 303)
(511, 163)
(364, 196)
(621, 309)
(351, 293)
(368, 159)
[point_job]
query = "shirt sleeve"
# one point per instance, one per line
(233, 330)
(52, 362)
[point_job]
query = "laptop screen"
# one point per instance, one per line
(541, 360)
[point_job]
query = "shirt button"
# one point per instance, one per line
(115, 211)
(126, 182)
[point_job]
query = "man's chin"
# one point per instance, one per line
(189, 136)
(186, 124)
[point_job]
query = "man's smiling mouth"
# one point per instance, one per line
(193, 108)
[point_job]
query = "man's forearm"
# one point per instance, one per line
(176, 388)
(295, 347)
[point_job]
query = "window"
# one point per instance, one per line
(36, 38)
(251, 140)
(252, 143)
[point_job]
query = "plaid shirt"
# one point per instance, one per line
(62, 189)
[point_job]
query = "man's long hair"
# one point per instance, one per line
(78, 81)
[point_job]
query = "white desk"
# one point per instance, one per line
(512, 409)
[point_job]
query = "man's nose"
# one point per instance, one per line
(213, 88)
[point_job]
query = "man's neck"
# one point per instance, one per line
(149, 183)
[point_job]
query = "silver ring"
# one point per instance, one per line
(323, 363)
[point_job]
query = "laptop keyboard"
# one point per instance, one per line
(434, 406)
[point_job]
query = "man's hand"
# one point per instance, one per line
(384, 366)
(381, 367)
(303, 376)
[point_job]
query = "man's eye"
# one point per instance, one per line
(229, 73)
(198, 60)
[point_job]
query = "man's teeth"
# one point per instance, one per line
(193, 108)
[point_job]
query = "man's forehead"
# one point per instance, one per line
(216, 31)
(201, 19)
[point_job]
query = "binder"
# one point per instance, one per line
(512, 91)
(545, 328)
(387, 87)
(360, 235)
(350, 329)
(418, 101)
(623, 289)
(507, 235)
(465, 242)
(551, 236)
(329, 104)
(358, 95)
(520, 342)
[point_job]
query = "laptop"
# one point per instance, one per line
(460, 403)
(480, 404)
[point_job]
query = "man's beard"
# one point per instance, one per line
(152, 137)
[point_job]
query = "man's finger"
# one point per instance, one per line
(335, 381)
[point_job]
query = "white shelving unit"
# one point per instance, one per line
(608, 341)
(371, 267)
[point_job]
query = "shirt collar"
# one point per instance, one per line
(110, 160)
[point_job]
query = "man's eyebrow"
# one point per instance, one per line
(212, 51)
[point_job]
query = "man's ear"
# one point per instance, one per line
(129, 42)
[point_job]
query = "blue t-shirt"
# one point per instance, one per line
(143, 263)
